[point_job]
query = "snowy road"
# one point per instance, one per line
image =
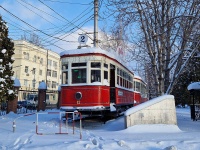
(109, 136)
(184, 121)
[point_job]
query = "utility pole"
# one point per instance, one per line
(96, 8)
(47, 67)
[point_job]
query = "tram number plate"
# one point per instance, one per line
(78, 102)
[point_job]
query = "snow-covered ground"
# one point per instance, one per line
(109, 136)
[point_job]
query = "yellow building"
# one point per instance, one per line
(34, 64)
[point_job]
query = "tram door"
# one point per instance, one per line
(112, 83)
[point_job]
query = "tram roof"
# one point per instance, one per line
(137, 77)
(90, 50)
(93, 50)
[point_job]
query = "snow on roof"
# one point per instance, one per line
(194, 86)
(42, 86)
(137, 77)
(85, 51)
(59, 88)
(17, 83)
(147, 104)
(94, 50)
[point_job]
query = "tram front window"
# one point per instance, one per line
(95, 76)
(78, 75)
(95, 65)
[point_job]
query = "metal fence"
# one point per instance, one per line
(29, 109)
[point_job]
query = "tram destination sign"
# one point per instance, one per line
(82, 39)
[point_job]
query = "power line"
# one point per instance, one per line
(40, 10)
(62, 16)
(36, 13)
(86, 20)
(35, 28)
(62, 28)
(67, 2)
(81, 24)
(32, 26)
(80, 16)
(51, 34)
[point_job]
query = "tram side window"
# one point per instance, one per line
(143, 90)
(96, 72)
(105, 65)
(131, 83)
(123, 75)
(106, 75)
(105, 71)
(137, 86)
(118, 77)
(65, 77)
(117, 80)
(79, 75)
(95, 76)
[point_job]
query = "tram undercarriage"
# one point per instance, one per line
(106, 112)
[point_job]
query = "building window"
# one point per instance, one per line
(34, 71)
(34, 83)
(49, 62)
(54, 74)
(41, 61)
(49, 72)
(34, 58)
(40, 72)
(25, 82)
(48, 84)
(55, 64)
(26, 69)
(53, 84)
(26, 55)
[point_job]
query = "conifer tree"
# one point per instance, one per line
(6, 73)
(191, 74)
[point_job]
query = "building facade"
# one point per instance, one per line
(34, 64)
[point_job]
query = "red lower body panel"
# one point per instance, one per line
(124, 97)
(91, 96)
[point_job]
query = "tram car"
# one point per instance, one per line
(140, 90)
(95, 82)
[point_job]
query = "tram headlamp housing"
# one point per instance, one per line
(78, 95)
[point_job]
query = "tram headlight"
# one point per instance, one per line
(78, 95)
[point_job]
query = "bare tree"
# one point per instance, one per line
(32, 38)
(114, 40)
(163, 31)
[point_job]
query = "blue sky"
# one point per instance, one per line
(54, 21)
(63, 19)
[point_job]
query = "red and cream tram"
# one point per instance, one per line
(140, 90)
(95, 81)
